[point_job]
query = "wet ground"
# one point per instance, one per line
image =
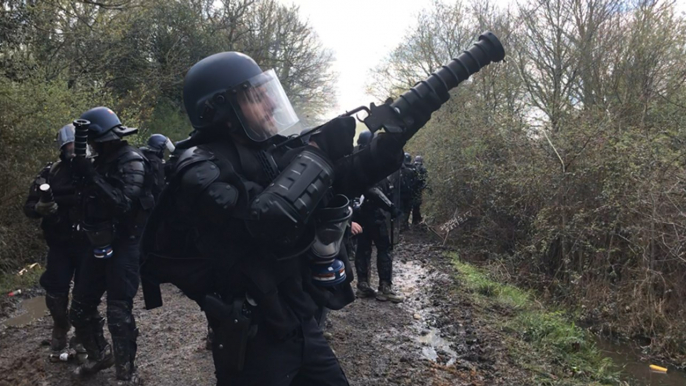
(430, 339)
(636, 366)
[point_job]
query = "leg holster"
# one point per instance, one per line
(232, 326)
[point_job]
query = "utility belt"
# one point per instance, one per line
(233, 324)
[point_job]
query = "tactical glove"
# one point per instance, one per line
(83, 167)
(335, 138)
(46, 208)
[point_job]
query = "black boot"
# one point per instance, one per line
(124, 355)
(124, 334)
(57, 304)
(88, 326)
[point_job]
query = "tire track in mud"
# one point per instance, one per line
(430, 339)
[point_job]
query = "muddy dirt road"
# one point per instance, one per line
(430, 339)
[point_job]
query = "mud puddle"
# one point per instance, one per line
(414, 280)
(433, 344)
(636, 371)
(30, 310)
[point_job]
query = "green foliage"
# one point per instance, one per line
(566, 163)
(11, 281)
(169, 120)
(543, 341)
(503, 294)
(60, 58)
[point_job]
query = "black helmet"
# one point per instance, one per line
(364, 138)
(157, 142)
(408, 159)
(231, 87)
(419, 160)
(105, 125)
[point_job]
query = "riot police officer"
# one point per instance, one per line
(154, 152)
(116, 200)
(419, 186)
(53, 199)
(403, 182)
(372, 215)
(251, 199)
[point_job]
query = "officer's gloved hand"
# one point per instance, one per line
(395, 212)
(46, 208)
(419, 113)
(83, 167)
(336, 137)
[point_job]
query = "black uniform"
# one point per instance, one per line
(372, 215)
(67, 243)
(116, 198)
(403, 183)
(210, 195)
(244, 226)
(158, 169)
(419, 186)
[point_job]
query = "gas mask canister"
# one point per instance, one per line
(331, 222)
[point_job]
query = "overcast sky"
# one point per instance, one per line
(361, 33)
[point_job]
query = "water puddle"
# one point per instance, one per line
(32, 309)
(636, 370)
(413, 281)
(433, 344)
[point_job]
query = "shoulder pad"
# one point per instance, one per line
(131, 155)
(192, 156)
(198, 176)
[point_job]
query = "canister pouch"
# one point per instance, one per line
(101, 235)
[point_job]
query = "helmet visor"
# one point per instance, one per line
(65, 135)
(264, 108)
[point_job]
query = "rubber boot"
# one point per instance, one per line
(124, 355)
(386, 293)
(364, 290)
(57, 304)
(99, 351)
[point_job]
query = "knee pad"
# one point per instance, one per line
(120, 319)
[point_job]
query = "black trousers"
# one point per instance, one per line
(303, 359)
(118, 276)
(416, 213)
(63, 262)
(404, 218)
(376, 233)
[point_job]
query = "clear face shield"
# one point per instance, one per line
(264, 109)
(170, 146)
(65, 140)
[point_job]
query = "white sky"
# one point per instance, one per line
(361, 33)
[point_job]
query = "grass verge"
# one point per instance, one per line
(13, 281)
(553, 348)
